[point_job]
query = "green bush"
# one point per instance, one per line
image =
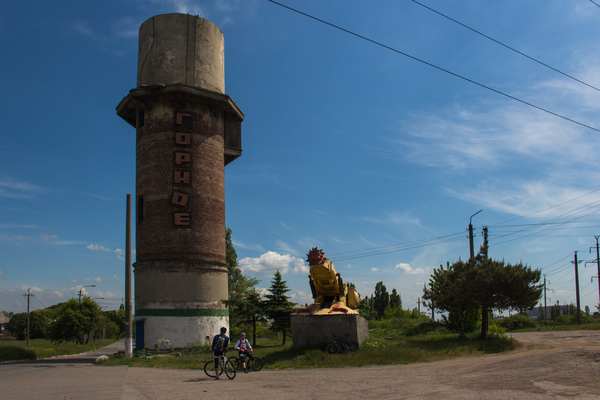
(423, 328)
(518, 321)
(496, 331)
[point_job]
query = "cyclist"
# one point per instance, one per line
(244, 349)
(219, 346)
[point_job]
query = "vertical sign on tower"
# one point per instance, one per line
(183, 145)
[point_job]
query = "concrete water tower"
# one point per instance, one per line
(187, 130)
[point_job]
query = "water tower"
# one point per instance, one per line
(187, 131)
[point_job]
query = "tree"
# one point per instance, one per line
(449, 291)
(395, 299)
(240, 286)
(253, 309)
(555, 311)
(38, 325)
(278, 307)
(75, 321)
(381, 299)
(483, 282)
(498, 285)
(364, 307)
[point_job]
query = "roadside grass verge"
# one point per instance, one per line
(43, 348)
(375, 351)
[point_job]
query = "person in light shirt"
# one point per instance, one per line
(244, 349)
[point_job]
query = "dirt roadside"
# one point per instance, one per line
(550, 365)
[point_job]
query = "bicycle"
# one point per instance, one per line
(256, 366)
(339, 346)
(224, 364)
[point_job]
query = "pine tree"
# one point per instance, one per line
(278, 307)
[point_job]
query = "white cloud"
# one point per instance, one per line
(285, 248)
(97, 280)
(1, 273)
(267, 263)
(127, 28)
(182, 6)
(84, 28)
(301, 298)
(396, 219)
(120, 253)
(98, 248)
(374, 269)
(10, 188)
(518, 156)
(48, 237)
(407, 269)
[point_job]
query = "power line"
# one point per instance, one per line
(344, 256)
(564, 215)
(593, 2)
(546, 209)
(436, 67)
(504, 45)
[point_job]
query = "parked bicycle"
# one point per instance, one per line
(256, 366)
(224, 365)
(340, 346)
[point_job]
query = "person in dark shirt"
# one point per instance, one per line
(219, 346)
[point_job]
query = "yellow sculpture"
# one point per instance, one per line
(330, 293)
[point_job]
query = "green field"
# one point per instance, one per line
(383, 348)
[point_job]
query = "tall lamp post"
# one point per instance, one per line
(471, 234)
(81, 291)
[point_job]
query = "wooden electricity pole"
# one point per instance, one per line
(28, 295)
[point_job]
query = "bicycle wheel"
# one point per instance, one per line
(229, 369)
(353, 345)
(257, 364)
(236, 362)
(332, 349)
(209, 369)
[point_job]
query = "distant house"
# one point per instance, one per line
(3, 322)
(538, 312)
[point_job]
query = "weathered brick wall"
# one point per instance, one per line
(158, 236)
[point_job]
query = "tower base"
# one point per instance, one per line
(181, 332)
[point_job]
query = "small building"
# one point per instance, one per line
(3, 322)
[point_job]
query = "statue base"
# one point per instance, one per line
(318, 330)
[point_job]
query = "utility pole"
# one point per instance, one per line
(28, 295)
(419, 304)
(545, 304)
(546, 298)
(577, 288)
(598, 263)
(128, 283)
(471, 234)
(81, 290)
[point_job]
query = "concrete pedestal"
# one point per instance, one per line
(318, 330)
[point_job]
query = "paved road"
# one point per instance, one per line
(551, 365)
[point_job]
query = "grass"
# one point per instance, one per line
(43, 348)
(380, 349)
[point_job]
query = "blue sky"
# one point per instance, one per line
(376, 158)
